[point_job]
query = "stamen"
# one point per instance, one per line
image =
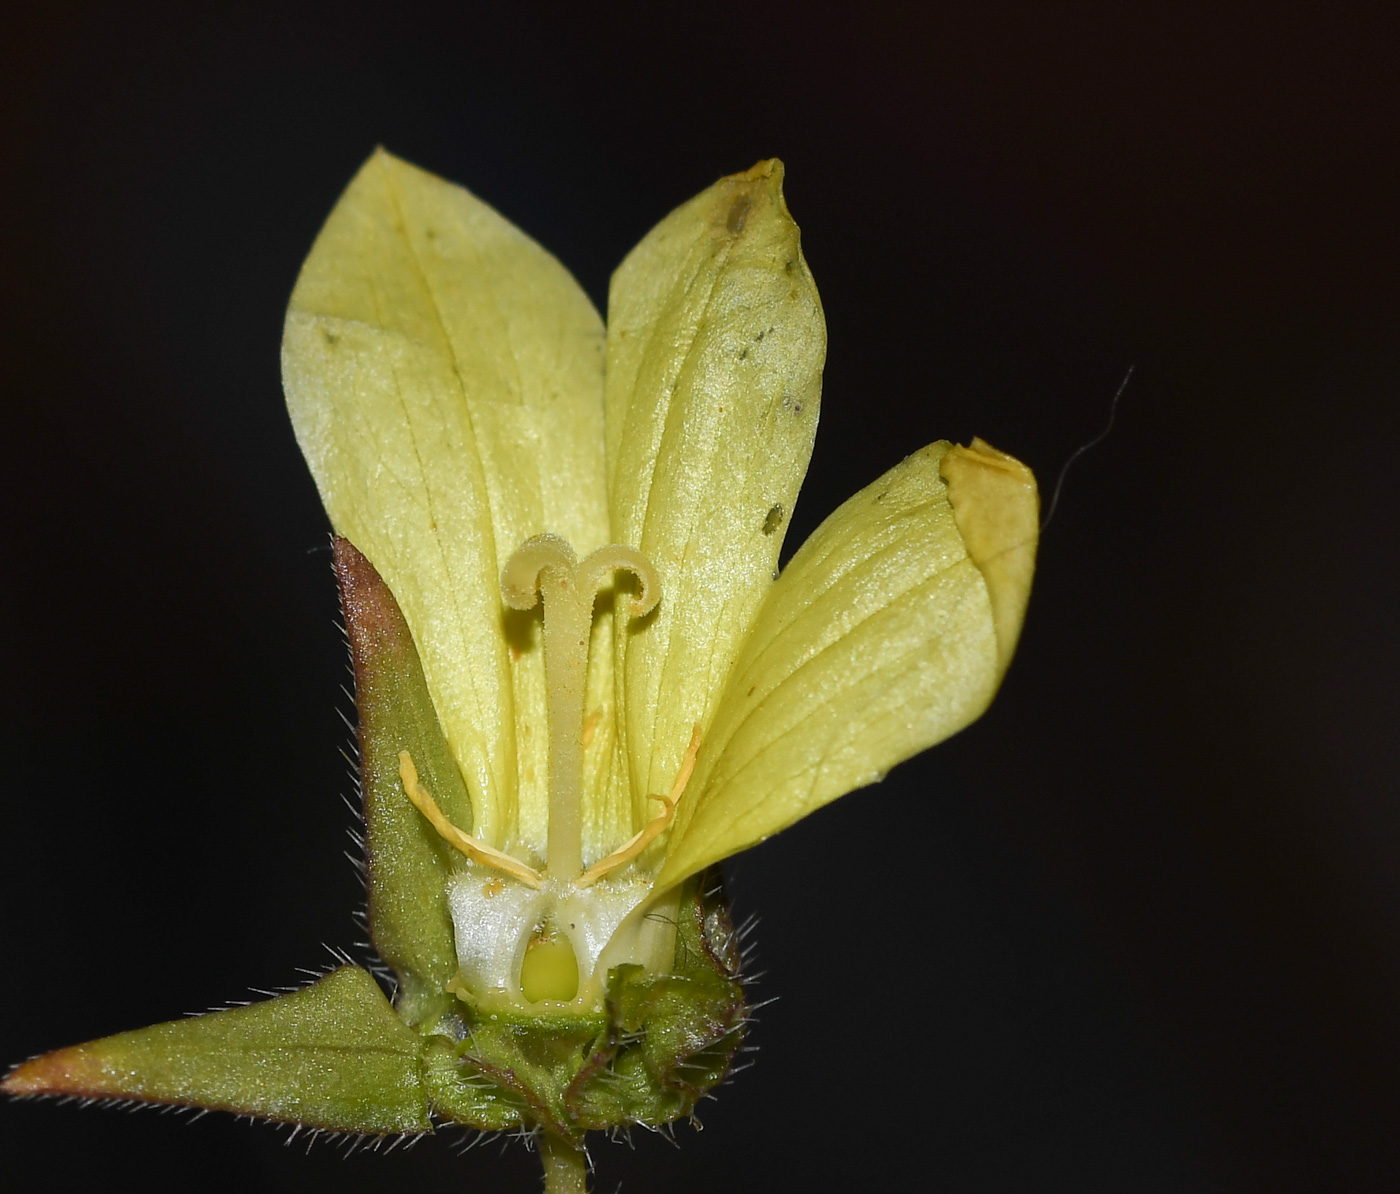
(653, 828)
(468, 845)
(546, 569)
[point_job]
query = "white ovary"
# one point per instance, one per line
(494, 920)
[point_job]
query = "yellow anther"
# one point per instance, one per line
(468, 845)
(545, 569)
(653, 828)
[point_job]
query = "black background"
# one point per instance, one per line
(1137, 929)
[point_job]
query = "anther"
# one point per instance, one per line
(475, 850)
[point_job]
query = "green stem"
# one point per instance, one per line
(565, 1165)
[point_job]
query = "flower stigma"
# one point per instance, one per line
(545, 569)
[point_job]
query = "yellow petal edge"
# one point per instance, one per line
(997, 509)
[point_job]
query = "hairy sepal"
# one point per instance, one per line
(332, 1056)
(408, 865)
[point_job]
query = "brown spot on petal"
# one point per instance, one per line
(738, 213)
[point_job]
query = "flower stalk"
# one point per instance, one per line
(565, 1165)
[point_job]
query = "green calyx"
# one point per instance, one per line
(660, 1042)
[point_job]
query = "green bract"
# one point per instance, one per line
(581, 681)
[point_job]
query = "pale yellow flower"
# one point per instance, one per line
(457, 397)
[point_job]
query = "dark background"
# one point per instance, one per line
(1136, 930)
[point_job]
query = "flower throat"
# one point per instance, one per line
(546, 571)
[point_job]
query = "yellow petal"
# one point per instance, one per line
(882, 637)
(715, 347)
(444, 376)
